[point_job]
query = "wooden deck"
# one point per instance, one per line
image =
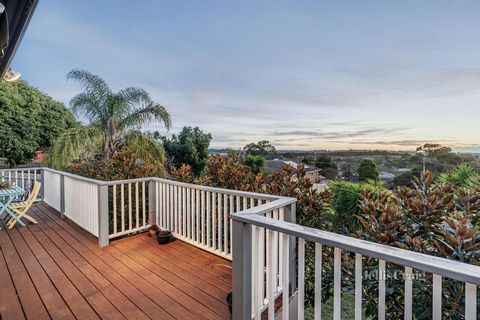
(55, 270)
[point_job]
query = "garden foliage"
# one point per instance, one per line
(30, 120)
(432, 218)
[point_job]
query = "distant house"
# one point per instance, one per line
(311, 173)
(386, 176)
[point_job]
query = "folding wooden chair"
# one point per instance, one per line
(21, 208)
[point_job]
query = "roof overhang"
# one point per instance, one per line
(18, 15)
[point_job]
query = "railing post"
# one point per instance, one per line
(62, 196)
(42, 182)
(103, 223)
(152, 202)
(291, 216)
(242, 271)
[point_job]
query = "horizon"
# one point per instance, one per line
(304, 75)
(348, 150)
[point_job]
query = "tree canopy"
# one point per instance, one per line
(262, 148)
(325, 161)
(367, 170)
(439, 159)
(189, 147)
(30, 120)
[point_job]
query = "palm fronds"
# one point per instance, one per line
(146, 149)
(75, 143)
(150, 113)
(465, 175)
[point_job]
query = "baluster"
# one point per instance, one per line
(358, 286)
(214, 219)
(219, 223)
(129, 206)
(197, 210)
(470, 301)
(285, 277)
(225, 221)
(203, 217)
(114, 191)
(207, 216)
(188, 209)
(168, 210)
(176, 210)
(271, 275)
(280, 250)
(301, 279)
(184, 211)
(137, 207)
(318, 281)
(144, 205)
(337, 283)
(255, 267)
(261, 263)
(381, 289)
(278, 254)
(122, 203)
(437, 297)
(230, 222)
(408, 293)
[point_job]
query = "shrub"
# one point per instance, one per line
(345, 203)
(184, 173)
(465, 175)
(256, 163)
(432, 219)
(367, 170)
(124, 165)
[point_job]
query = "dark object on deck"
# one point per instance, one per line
(229, 301)
(164, 236)
(152, 231)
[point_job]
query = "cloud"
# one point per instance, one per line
(329, 90)
(338, 134)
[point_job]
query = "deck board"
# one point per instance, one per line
(32, 304)
(55, 270)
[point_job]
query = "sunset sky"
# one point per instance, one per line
(302, 74)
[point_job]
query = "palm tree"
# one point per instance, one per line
(114, 120)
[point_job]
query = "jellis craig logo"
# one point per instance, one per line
(392, 275)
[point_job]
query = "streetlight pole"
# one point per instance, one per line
(424, 155)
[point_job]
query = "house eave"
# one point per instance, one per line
(19, 18)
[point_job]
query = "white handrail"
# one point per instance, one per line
(449, 268)
(172, 182)
(253, 222)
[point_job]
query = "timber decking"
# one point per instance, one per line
(55, 270)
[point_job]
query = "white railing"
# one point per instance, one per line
(129, 203)
(252, 224)
(22, 177)
(81, 203)
(200, 215)
(52, 189)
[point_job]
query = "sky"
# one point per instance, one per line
(302, 74)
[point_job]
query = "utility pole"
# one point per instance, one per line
(424, 155)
